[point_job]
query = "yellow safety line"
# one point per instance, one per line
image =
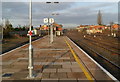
(80, 64)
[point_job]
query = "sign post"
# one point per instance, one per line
(50, 21)
(46, 20)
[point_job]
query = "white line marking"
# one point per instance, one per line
(110, 75)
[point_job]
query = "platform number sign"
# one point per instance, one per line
(51, 20)
(48, 20)
(45, 20)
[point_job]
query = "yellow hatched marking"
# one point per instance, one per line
(80, 64)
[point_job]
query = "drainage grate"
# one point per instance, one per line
(7, 75)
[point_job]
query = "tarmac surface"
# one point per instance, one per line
(58, 61)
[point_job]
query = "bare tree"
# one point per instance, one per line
(7, 28)
(7, 24)
(99, 19)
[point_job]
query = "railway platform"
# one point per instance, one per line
(59, 61)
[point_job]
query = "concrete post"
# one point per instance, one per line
(51, 34)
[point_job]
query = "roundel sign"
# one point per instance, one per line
(30, 33)
(45, 20)
(51, 20)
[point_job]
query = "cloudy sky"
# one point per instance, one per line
(71, 14)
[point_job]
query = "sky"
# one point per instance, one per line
(71, 14)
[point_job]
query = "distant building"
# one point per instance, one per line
(90, 28)
(57, 29)
(115, 26)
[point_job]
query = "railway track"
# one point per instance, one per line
(101, 41)
(113, 68)
(103, 61)
(106, 38)
(18, 45)
(110, 48)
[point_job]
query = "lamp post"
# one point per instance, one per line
(30, 66)
(55, 14)
(48, 28)
(51, 26)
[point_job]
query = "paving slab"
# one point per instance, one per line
(50, 70)
(76, 70)
(39, 75)
(76, 75)
(45, 75)
(58, 75)
(64, 70)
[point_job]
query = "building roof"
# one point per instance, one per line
(115, 26)
(57, 25)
